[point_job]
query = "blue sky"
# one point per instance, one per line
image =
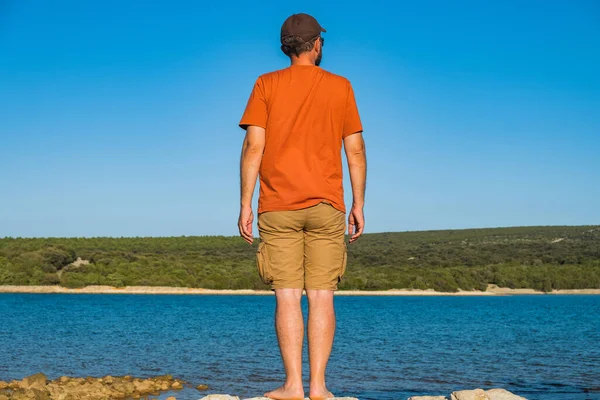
(120, 118)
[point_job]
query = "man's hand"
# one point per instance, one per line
(245, 223)
(356, 223)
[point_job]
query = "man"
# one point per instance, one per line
(296, 120)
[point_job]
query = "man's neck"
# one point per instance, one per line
(302, 60)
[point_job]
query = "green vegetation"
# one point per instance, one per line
(543, 258)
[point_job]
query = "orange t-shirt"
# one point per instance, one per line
(306, 112)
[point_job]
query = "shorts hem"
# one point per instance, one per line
(322, 288)
(284, 286)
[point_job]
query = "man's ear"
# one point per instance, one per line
(318, 45)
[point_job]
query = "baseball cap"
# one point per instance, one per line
(302, 25)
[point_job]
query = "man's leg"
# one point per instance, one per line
(289, 325)
(325, 264)
(282, 263)
(321, 330)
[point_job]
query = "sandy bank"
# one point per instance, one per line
(492, 290)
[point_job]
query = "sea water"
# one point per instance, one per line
(544, 347)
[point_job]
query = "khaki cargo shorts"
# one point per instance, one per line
(303, 249)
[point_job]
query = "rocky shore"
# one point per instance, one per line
(38, 387)
(492, 290)
(476, 394)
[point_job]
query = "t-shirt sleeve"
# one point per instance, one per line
(352, 123)
(256, 109)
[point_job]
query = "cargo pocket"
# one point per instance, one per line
(344, 263)
(262, 264)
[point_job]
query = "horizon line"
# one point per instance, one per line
(364, 234)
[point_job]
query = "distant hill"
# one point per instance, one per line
(542, 258)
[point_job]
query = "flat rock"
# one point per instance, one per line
(220, 397)
(263, 398)
(332, 398)
(259, 398)
(502, 394)
(476, 394)
(428, 398)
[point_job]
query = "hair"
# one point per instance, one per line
(296, 45)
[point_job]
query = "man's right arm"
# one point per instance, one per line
(354, 146)
(254, 121)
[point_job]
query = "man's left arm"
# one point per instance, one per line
(252, 152)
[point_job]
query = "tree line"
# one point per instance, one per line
(542, 258)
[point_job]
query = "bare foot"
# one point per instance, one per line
(321, 393)
(285, 392)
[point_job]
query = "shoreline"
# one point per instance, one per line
(492, 290)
